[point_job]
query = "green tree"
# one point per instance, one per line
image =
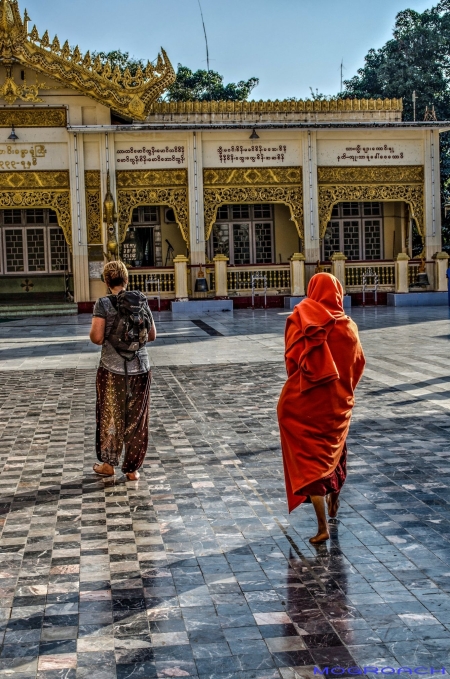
(417, 59)
(190, 85)
(204, 85)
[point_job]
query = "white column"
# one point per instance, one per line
(432, 214)
(195, 192)
(311, 241)
(79, 226)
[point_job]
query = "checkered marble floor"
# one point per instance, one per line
(197, 570)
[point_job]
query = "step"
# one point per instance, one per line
(24, 310)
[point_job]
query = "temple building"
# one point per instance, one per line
(233, 194)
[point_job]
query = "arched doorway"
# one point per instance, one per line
(254, 213)
(254, 233)
(35, 236)
(147, 190)
(369, 211)
(369, 230)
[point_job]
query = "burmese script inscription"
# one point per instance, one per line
(259, 154)
(367, 153)
(21, 157)
(151, 156)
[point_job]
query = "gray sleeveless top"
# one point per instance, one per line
(110, 359)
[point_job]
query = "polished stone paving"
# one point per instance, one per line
(197, 570)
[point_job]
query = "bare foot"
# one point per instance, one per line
(103, 469)
(133, 476)
(321, 536)
(333, 504)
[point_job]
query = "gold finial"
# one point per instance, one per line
(110, 217)
(131, 96)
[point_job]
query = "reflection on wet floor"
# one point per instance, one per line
(197, 570)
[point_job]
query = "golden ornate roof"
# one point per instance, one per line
(131, 96)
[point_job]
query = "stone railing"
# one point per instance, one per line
(354, 272)
(413, 271)
(278, 276)
(286, 279)
(145, 280)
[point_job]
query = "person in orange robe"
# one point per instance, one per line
(324, 363)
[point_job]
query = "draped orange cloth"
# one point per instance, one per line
(324, 363)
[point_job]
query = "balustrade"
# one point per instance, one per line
(354, 273)
(413, 271)
(145, 280)
(240, 278)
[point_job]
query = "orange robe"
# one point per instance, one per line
(324, 363)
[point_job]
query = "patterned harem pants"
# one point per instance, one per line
(122, 420)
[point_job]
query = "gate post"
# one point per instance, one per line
(298, 275)
(401, 273)
(440, 271)
(338, 260)
(181, 282)
(220, 274)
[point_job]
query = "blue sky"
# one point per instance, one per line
(289, 44)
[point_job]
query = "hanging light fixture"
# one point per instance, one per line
(13, 136)
(254, 134)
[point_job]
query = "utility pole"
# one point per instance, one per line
(414, 105)
(342, 71)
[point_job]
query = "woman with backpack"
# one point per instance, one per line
(122, 324)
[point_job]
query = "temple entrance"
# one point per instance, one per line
(253, 234)
(153, 238)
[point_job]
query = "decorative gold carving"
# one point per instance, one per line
(51, 179)
(92, 181)
(37, 117)
(10, 91)
(152, 187)
(366, 184)
(147, 178)
(129, 95)
(306, 106)
(261, 176)
(251, 185)
(411, 174)
(38, 190)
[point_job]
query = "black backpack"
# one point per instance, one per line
(131, 326)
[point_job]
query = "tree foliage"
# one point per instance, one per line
(204, 85)
(416, 59)
(122, 60)
(190, 85)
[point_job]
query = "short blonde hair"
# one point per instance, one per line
(115, 273)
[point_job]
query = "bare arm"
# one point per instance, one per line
(97, 334)
(152, 333)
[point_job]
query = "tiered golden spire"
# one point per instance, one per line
(129, 95)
